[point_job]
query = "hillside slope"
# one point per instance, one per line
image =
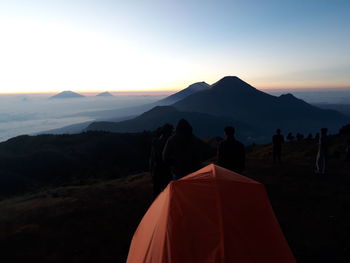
(231, 101)
(204, 125)
(95, 223)
(30, 163)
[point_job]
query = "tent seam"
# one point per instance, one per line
(219, 207)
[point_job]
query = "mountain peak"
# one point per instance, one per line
(198, 86)
(230, 78)
(232, 83)
(191, 89)
(67, 94)
(288, 97)
(104, 94)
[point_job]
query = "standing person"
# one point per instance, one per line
(322, 152)
(277, 141)
(159, 169)
(231, 152)
(182, 151)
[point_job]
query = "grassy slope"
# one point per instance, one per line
(95, 223)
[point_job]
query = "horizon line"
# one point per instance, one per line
(168, 91)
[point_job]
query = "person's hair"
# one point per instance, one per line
(167, 129)
(183, 127)
(324, 130)
(278, 131)
(229, 130)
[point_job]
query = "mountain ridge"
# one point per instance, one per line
(67, 94)
(233, 97)
(235, 101)
(104, 94)
(204, 125)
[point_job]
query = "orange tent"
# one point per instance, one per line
(212, 215)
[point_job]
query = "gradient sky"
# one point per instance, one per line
(159, 44)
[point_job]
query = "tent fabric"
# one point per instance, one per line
(212, 215)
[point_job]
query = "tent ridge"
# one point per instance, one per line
(221, 221)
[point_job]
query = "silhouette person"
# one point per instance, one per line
(317, 136)
(290, 137)
(321, 158)
(309, 137)
(182, 151)
(299, 137)
(277, 141)
(160, 171)
(231, 152)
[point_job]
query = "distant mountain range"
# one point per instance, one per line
(235, 98)
(232, 101)
(104, 94)
(67, 94)
(116, 115)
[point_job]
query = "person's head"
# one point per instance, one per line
(324, 131)
(278, 131)
(183, 128)
(229, 131)
(167, 129)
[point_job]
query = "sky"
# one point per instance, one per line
(49, 46)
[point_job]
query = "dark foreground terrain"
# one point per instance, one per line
(95, 222)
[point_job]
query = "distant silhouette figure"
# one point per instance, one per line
(231, 152)
(160, 171)
(317, 136)
(277, 141)
(290, 137)
(299, 137)
(322, 152)
(182, 151)
(309, 137)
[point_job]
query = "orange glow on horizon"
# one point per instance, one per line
(167, 91)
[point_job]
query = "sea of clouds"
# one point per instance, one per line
(30, 114)
(35, 113)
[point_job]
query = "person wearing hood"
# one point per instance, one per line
(182, 151)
